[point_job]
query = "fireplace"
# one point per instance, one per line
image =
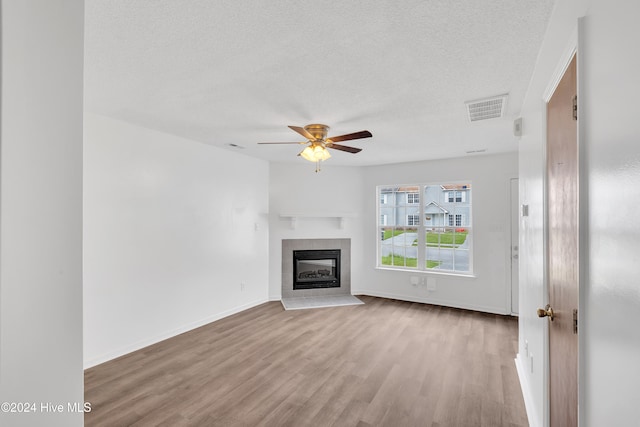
(339, 284)
(318, 268)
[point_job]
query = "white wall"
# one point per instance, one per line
(489, 289)
(610, 90)
(296, 188)
(172, 229)
(41, 210)
(608, 64)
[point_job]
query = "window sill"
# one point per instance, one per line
(435, 272)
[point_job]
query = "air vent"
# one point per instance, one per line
(489, 108)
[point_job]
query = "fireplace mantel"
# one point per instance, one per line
(341, 216)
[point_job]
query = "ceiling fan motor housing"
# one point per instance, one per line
(318, 131)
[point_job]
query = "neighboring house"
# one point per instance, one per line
(447, 205)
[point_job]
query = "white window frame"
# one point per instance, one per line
(454, 195)
(455, 220)
(413, 200)
(421, 228)
(415, 220)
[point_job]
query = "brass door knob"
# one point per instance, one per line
(547, 311)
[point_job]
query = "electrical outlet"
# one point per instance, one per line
(531, 362)
(242, 286)
(414, 280)
(431, 284)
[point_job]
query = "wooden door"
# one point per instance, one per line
(562, 199)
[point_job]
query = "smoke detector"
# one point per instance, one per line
(487, 108)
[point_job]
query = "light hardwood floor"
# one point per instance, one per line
(385, 363)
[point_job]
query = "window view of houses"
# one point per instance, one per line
(425, 227)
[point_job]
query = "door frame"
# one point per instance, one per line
(572, 48)
(510, 244)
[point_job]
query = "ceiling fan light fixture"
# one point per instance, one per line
(307, 154)
(320, 153)
(316, 153)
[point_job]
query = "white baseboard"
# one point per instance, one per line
(169, 334)
(445, 303)
(532, 415)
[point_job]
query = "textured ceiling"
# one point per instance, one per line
(238, 72)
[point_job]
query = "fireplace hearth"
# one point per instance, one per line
(313, 269)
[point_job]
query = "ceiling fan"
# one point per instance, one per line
(316, 135)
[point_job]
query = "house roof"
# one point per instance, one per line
(411, 189)
(406, 189)
(456, 187)
(434, 208)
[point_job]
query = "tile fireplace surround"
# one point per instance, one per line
(290, 245)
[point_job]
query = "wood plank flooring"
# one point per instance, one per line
(385, 363)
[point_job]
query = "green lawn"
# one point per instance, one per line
(446, 239)
(391, 233)
(433, 264)
(400, 261)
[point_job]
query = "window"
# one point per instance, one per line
(432, 231)
(413, 198)
(413, 219)
(455, 197)
(455, 220)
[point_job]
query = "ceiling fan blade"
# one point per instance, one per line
(283, 142)
(302, 131)
(344, 148)
(355, 135)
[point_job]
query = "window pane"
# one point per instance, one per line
(444, 258)
(398, 247)
(434, 213)
(461, 259)
(446, 247)
(386, 247)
